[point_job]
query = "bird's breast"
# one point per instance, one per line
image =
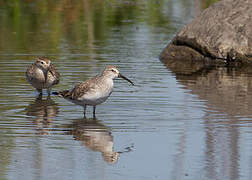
(39, 74)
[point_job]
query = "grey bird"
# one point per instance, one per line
(42, 75)
(93, 91)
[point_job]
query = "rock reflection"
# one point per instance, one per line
(226, 92)
(42, 112)
(226, 89)
(95, 136)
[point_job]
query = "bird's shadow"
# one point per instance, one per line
(97, 137)
(42, 112)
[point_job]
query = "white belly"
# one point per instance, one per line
(95, 98)
(97, 95)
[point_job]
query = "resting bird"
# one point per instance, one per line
(42, 75)
(93, 91)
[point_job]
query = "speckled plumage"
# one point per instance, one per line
(42, 75)
(93, 91)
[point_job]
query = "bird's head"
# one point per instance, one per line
(113, 72)
(43, 63)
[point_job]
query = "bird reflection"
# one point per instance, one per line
(42, 112)
(95, 136)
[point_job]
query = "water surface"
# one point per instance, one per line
(169, 126)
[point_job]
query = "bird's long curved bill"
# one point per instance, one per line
(121, 76)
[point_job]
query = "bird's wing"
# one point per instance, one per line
(30, 72)
(55, 74)
(84, 87)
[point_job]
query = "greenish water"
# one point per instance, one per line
(168, 126)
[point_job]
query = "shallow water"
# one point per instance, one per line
(169, 126)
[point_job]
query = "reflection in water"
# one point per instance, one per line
(82, 37)
(227, 93)
(226, 89)
(95, 136)
(42, 113)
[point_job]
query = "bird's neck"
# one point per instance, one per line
(107, 81)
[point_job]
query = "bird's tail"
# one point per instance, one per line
(63, 94)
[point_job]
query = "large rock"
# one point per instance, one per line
(222, 32)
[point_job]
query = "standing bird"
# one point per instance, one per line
(42, 75)
(93, 91)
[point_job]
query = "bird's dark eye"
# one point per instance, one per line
(41, 62)
(113, 70)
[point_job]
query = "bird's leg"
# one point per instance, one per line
(48, 92)
(94, 111)
(40, 91)
(48, 98)
(85, 107)
(39, 97)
